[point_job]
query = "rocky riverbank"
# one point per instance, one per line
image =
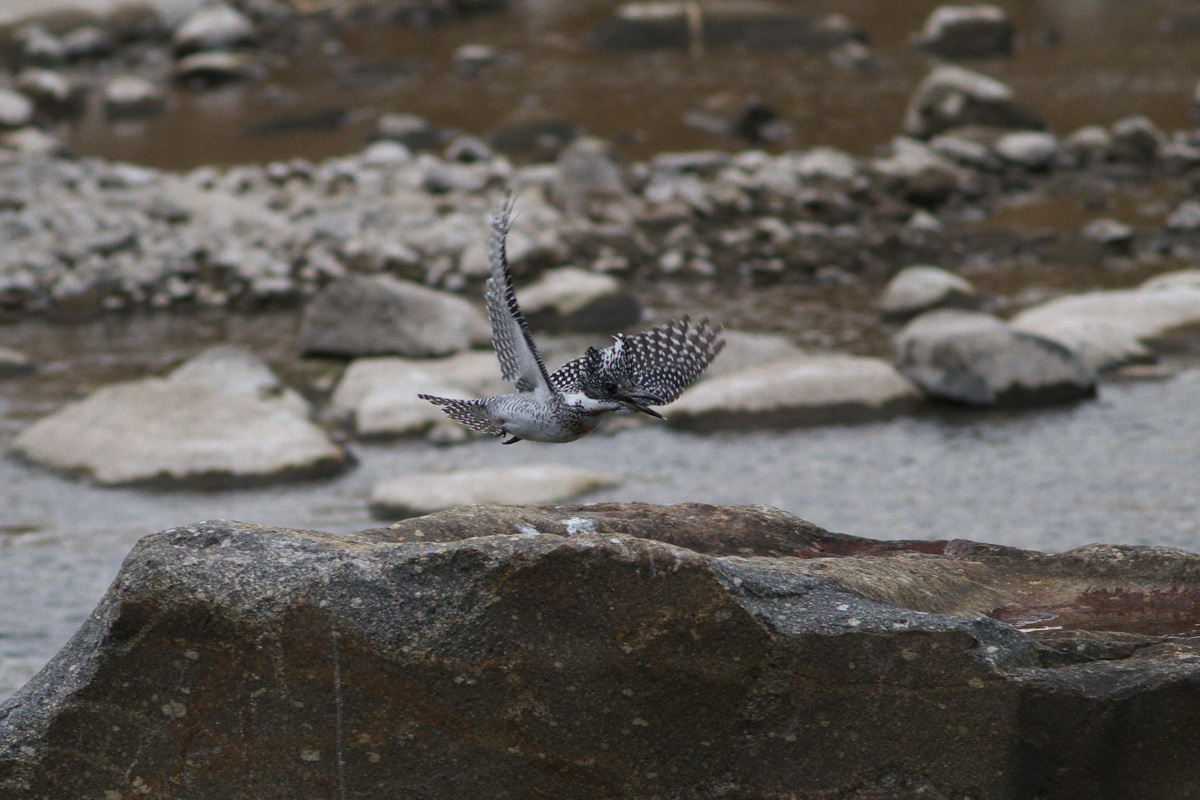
(617, 651)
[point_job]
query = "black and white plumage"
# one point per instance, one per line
(650, 368)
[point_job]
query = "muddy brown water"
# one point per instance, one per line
(1076, 63)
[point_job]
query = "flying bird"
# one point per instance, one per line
(651, 368)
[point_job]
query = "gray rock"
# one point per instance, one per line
(216, 27)
(87, 41)
(385, 153)
(468, 150)
(1186, 217)
(803, 390)
(916, 173)
(40, 47)
(424, 493)
(128, 96)
(585, 651)
(471, 59)
(379, 395)
(1029, 149)
(1136, 139)
(586, 174)
(215, 67)
(915, 290)
(1109, 232)
(965, 151)
(51, 91)
(14, 363)
(644, 25)
(1090, 144)
(976, 359)
(415, 133)
(953, 97)
(1113, 328)
(571, 299)
(826, 163)
(976, 31)
(219, 419)
(16, 110)
(379, 315)
(745, 350)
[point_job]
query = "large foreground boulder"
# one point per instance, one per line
(583, 652)
(221, 418)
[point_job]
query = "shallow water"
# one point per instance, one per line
(1076, 63)
(1121, 468)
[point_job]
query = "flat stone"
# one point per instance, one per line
(571, 299)
(974, 31)
(1114, 328)
(804, 390)
(917, 289)
(220, 419)
(424, 493)
(216, 27)
(643, 636)
(380, 315)
(954, 97)
(744, 350)
(976, 359)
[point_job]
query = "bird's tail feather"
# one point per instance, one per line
(472, 413)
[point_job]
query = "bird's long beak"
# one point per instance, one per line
(645, 410)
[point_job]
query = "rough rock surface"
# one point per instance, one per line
(593, 661)
(423, 493)
(220, 418)
(379, 315)
(974, 358)
(805, 390)
(920, 288)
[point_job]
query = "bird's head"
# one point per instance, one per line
(608, 386)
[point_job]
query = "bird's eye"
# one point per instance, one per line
(609, 387)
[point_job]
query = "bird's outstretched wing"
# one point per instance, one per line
(656, 365)
(520, 361)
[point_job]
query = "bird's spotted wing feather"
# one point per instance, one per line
(656, 364)
(520, 361)
(471, 413)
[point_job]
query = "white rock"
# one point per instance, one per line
(1184, 218)
(1029, 149)
(16, 110)
(828, 163)
(920, 288)
(1111, 328)
(13, 363)
(130, 96)
(411, 495)
(745, 350)
(976, 359)
(213, 28)
(221, 416)
(804, 390)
